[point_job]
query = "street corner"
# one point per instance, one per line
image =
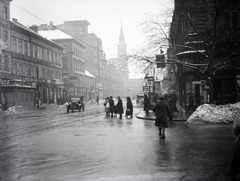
(143, 115)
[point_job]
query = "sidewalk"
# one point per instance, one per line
(178, 116)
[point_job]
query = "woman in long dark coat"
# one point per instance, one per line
(119, 108)
(111, 102)
(129, 110)
(162, 113)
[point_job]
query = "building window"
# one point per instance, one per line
(20, 46)
(25, 48)
(14, 44)
(40, 52)
(5, 36)
(35, 51)
(5, 13)
(48, 54)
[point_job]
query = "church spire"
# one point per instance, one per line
(121, 37)
(122, 47)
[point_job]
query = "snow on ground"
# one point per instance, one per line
(16, 109)
(208, 113)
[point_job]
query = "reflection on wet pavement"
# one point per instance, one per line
(43, 146)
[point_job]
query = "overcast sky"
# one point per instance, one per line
(105, 17)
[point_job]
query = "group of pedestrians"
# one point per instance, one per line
(113, 109)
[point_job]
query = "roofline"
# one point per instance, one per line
(21, 26)
(78, 21)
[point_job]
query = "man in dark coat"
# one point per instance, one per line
(119, 108)
(162, 113)
(146, 104)
(111, 102)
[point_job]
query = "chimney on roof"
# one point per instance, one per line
(34, 28)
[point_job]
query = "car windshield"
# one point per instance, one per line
(75, 99)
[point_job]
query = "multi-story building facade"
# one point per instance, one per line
(5, 50)
(76, 78)
(37, 61)
(79, 30)
(30, 68)
(110, 79)
(195, 25)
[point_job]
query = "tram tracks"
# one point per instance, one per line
(40, 121)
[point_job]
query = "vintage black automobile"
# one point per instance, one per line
(75, 103)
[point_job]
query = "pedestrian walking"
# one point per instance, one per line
(162, 114)
(107, 106)
(111, 109)
(219, 99)
(235, 167)
(119, 108)
(171, 106)
(190, 103)
(97, 100)
(129, 109)
(146, 103)
(175, 99)
(5, 105)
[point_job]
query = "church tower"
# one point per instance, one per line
(122, 46)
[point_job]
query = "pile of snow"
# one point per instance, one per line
(16, 109)
(64, 105)
(208, 113)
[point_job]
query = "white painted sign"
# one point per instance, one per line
(201, 82)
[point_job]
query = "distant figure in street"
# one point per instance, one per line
(146, 102)
(162, 113)
(235, 167)
(171, 106)
(97, 100)
(119, 107)
(174, 96)
(190, 103)
(111, 102)
(107, 106)
(129, 110)
(5, 105)
(219, 99)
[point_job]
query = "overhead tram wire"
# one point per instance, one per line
(111, 9)
(47, 23)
